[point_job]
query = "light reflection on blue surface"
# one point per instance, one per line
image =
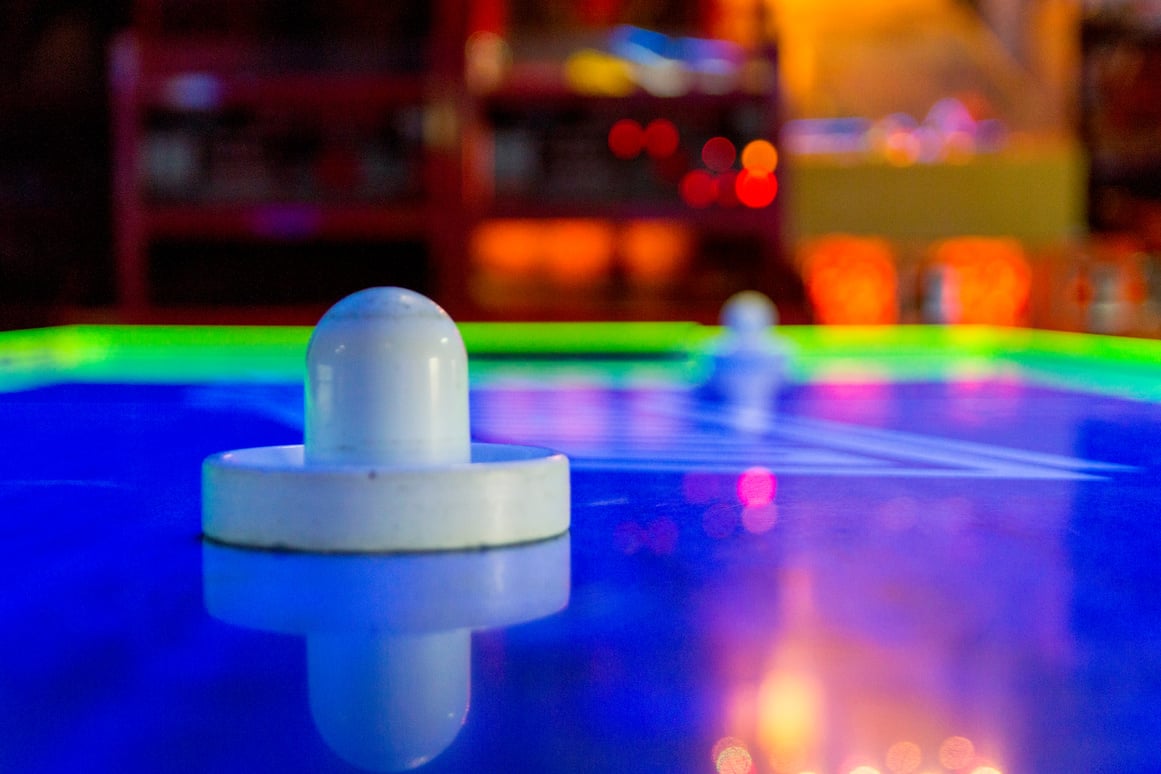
(388, 637)
(1018, 614)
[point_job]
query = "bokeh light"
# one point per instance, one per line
(727, 189)
(661, 138)
(865, 770)
(654, 252)
(506, 247)
(698, 188)
(598, 74)
(487, 58)
(731, 756)
(956, 752)
(757, 486)
(757, 519)
(579, 251)
(626, 138)
(760, 156)
(790, 715)
(755, 188)
(902, 147)
(851, 280)
(718, 154)
(987, 280)
(986, 770)
(904, 757)
(662, 536)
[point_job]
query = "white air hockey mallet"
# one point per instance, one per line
(387, 462)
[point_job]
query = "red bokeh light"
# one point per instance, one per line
(727, 189)
(698, 188)
(661, 138)
(755, 188)
(626, 139)
(718, 154)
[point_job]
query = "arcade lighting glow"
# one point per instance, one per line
(990, 279)
(161, 354)
(755, 188)
(851, 280)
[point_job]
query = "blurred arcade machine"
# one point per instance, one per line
(936, 172)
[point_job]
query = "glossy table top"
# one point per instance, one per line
(911, 550)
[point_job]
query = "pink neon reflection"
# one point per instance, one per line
(757, 487)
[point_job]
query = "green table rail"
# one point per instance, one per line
(619, 352)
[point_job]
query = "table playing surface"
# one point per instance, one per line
(899, 550)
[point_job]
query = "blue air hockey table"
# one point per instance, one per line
(911, 550)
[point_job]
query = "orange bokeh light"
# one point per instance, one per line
(851, 280)
(506, 247)
(790, 713)
(990, 279)
(956, 752)
(654, 251)
(760, 155)
(904, 757)
(571, 252)
(577, 251)
(731, 756)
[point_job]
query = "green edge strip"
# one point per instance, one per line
(109, 353)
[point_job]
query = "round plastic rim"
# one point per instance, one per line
(268, 497)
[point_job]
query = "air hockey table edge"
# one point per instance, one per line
(624, 352)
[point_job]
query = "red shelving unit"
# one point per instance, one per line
(228, 129)
(236, 126)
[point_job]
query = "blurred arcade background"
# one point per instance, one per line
(895, 161)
